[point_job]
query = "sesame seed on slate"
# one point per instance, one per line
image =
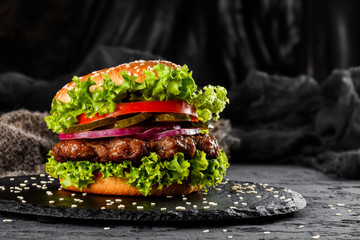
(7, 220)
(206, 231)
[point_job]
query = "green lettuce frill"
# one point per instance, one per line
(151, 172)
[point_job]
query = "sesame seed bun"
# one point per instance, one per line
(118, 186)
(134, 69)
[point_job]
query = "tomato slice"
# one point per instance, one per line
(171, 106)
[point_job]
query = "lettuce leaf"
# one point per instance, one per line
(210, 102)
(168, 84)
(150, 174)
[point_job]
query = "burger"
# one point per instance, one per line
(138, 129)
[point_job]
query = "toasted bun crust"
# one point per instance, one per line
(115, 186)
(134, 69)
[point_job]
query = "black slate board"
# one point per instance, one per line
(41, 196)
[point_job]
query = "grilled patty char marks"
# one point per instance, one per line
(119, 149)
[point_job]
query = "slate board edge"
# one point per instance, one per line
(297, 204)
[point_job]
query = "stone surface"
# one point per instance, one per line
(231, 201)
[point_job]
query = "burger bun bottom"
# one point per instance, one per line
(118, 186)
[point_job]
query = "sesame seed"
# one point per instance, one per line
(107, 200)
(232, 207)
(206, 231)
(26, 181)
(184, 199)
(106, 228)
(316, 237)
(11, 179)
(217, 189)
(188, 203)
(301, 226)
(282, 197)
(152, 204)
(118, 200)
(42, 175)
(206, 207)
(332, 208)
(258, 196)
(276, 196)
(236, 203)
(341, 204)
(23, 201)
(194, 206)
(180, 208)
(244, 204)
(73, 206)
(140, 207)
(33, 178)
(349, 211)
(84, 194)
(51, 201)
(44, 187)
(121, 206)
(224, 230)
(7, 220)
(204, 202)
(134, 203)
(205, 193)
(241, 198)
(229, 195)
(229, 237)
(73, 194)
(49, 193)
(213, 204)
(338, 214)
(61, 199)
(330, 205)
(169, 196)
(102, 208)
(288, 200)
(163, 209)
(59, 188)
(267, 232)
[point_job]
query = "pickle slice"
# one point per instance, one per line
(201, 125)
(123, 123)
(92, 125)
(171, 117)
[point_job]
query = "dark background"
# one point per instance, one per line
(221, 40)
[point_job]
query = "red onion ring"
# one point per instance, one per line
(102, 133)
(174, 132)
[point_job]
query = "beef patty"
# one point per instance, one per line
(118, 149)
